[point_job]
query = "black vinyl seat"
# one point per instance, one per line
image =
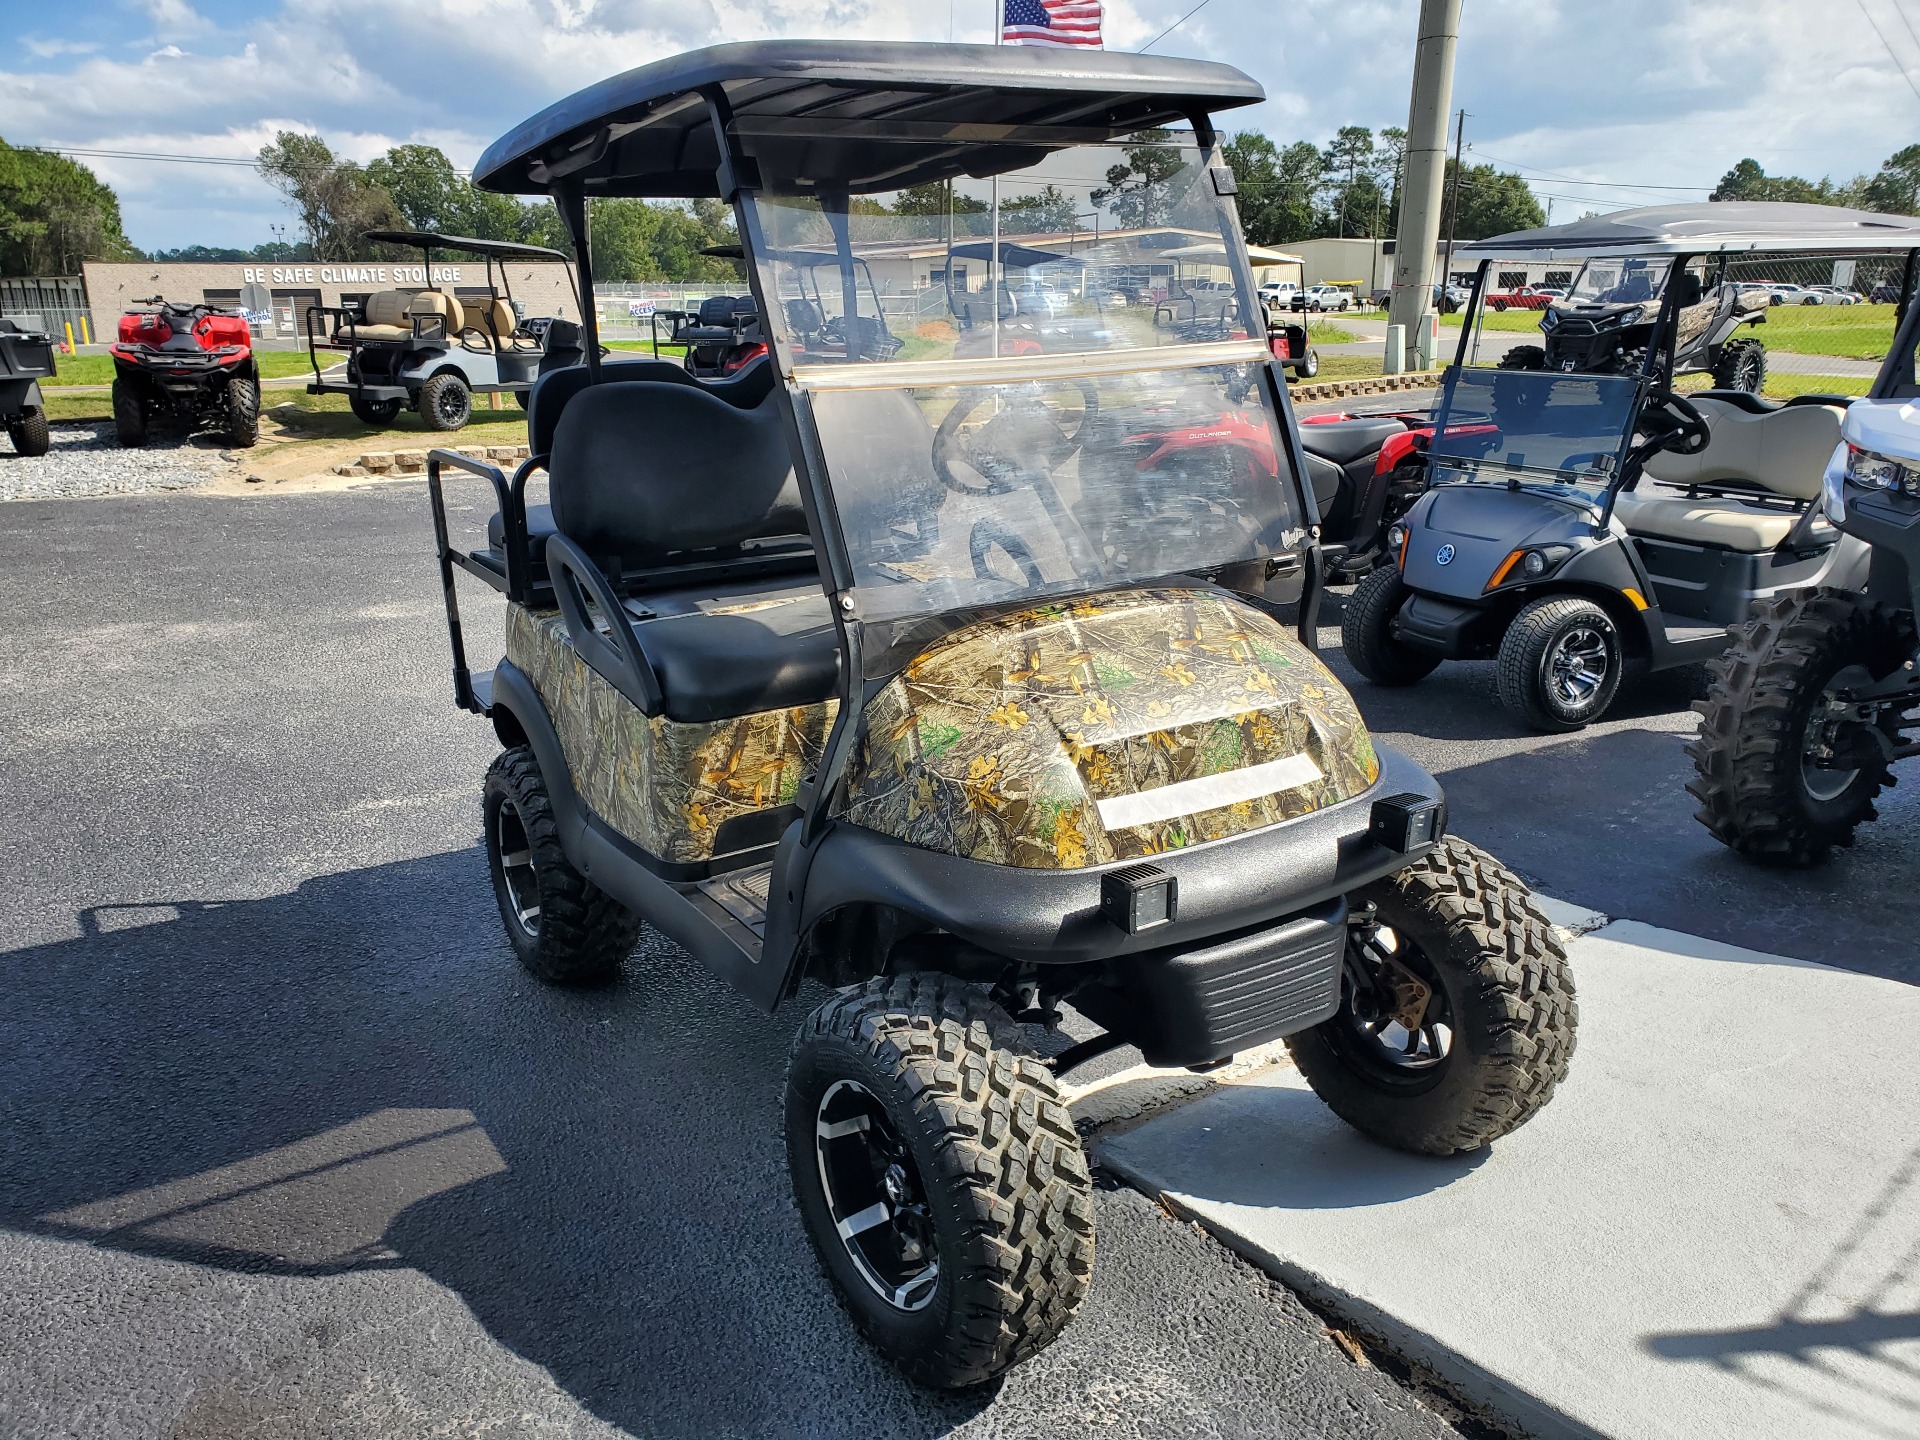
(645, 472)
(1344, 441)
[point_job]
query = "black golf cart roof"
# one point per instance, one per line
(862, 116)
(1713, 227)
(494, 249)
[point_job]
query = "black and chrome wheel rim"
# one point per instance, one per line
(1824, 781)
(1397, 1015)
(1577, 666)
(875, 1197)
(519, 884)
(453, 403)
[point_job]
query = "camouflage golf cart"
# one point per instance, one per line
(892, 680)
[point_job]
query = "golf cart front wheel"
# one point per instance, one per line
(1309, 365)
(1783, 772)
(565, 929)
(29, 434)
(445, 402)
(373, 412)
(1366, 632)
(1560, 663)
(1457, 1012)
(939, 1177)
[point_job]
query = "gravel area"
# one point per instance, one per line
(86, 461)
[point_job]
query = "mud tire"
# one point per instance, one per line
(1742, 366)
(1003, 1172)
(1747, 757)
(129, 416)
(445, 402)
(373, 412)
(30, 435)
(1524, 357)
(583, 934)
(243, 413)
(1510, 993)
(1368, 640)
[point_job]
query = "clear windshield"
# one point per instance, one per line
(1097, 247)
(1619, 280)
(1564, 435)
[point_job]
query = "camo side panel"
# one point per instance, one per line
(667, 787)
(1001, 743)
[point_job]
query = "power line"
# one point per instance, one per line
(1173, 27)
(1897, 64)
(1598, 184)
(1906, 22)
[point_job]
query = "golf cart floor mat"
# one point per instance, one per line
(743, 895)
(1109, 728)
(670, 788)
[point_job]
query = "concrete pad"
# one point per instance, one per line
(1713, 1230)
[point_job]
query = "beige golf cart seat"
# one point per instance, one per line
(1779, 452)
(490, 325)
(389, 314)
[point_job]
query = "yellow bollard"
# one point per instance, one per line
(86, 332)
(70, 337)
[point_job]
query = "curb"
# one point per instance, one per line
(414, 462)
(1371, 385)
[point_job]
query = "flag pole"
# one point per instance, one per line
(993, 255)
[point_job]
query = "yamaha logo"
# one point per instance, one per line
(1445, 555)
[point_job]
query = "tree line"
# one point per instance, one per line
(1894, 189)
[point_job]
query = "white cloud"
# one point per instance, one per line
(52, 49)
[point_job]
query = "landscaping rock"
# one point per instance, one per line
(87, 461)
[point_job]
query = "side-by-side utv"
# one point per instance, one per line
(26, 358)
(1581, 522)
(429, 351)
(889, 677)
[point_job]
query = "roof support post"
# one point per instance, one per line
(571, 199)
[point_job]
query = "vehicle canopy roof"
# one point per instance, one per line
(1712, 227)
(492, 249)
(854, 116)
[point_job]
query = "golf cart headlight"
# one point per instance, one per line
(1534, 565)
(1873, 472)
(1397, 536)
(1550, 319)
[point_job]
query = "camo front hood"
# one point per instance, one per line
(1108, 728)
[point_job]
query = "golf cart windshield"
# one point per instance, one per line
(1619, 280)
(1019, 405)
(1562, 435)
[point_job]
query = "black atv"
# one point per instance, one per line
(1606, 322)
(26, 358)
(1815, 699)
(190, 364)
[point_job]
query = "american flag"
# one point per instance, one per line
(1052, 22)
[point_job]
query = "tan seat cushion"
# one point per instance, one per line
(1784, 451)
(437, 302)
(1733, 524)
(380, 332)
(385, 308)
(493, 320)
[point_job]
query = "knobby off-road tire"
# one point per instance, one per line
(1367, 636)
(1524, 357)
(575, 933)
(1742, 366)
(243, 413)
(445, 403)
(129, 416)
(1541, 636)
(373, 412)
(1000, 1172)
(30, 435)
(1479, 940)
(1747, 759)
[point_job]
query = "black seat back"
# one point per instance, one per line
(548, 399)
(719, 309)
(642, 469)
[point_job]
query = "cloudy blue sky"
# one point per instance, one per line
(1587, 98)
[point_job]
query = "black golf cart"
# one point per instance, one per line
(1817, 696)
(724, 336)
(1578, 522)
(891, 681)
(427, 350)
(26, 358)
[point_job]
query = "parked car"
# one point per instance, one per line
(1522, 297)
(1781, 293)
(1884, 294)
(1828, 295)
(1325, 297)
(1278, 294)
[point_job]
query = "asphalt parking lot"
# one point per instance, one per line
(291, 1147)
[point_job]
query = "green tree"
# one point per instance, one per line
(54, 214)
(1895, 190)
(936, 197)
(1389, 170)
(1747, 181)
(335, 199)
(1144, 191)
(1050, 211)
(1492, 202)
(1346, 167)
(637, 240)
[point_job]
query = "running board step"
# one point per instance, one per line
(743, 895)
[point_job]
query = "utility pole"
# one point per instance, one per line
(1418, 234)
(1453, 208)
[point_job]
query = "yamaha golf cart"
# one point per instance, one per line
(1581, 521)
(430, 351)
(26, 358)
(895, 680)
(1817, 696)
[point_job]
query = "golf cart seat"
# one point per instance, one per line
(389, 314)
(1344, 441)
(1775, 453)
(490, 325)
(649, 471)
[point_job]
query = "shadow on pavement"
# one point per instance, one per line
(356, 1076)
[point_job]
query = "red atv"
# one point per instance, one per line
(191, 364)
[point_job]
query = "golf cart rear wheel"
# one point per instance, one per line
(565, 929)
(939, 1176)
(29, 434)
(1457, 1012)
(129, 416)
(1742, 366)
(1560, 663)
(243, 413)
(445, 402)
(373, 412)
(1769, 733)
(1366, 632)
(1309, 365)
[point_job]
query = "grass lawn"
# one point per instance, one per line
(1346, 367)
(98, 369)
(327, 417)
(1325, 332)
(1854, 332)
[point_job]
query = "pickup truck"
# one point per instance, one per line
(1523, 297)
(1325, 297)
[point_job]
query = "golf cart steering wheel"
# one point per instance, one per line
(1006, 451)
(1674, 423)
